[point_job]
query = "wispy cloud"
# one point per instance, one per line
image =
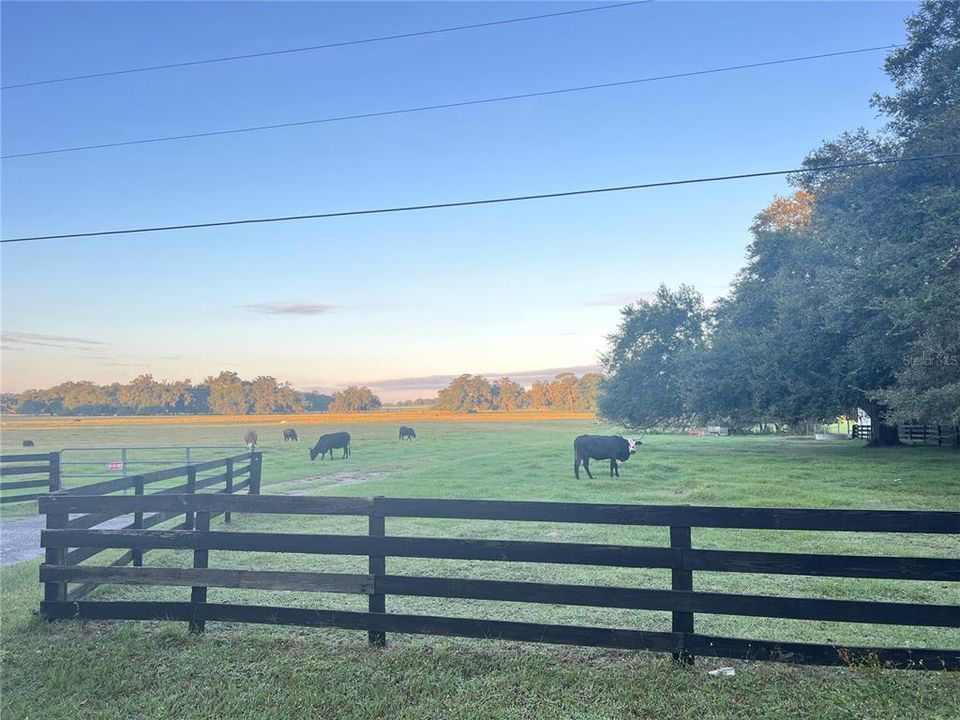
(291, 308)
(618, 299)
(17, 341)
(432, 383)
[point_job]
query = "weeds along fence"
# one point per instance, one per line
(680, 557)
(240, 472)
(43, 470)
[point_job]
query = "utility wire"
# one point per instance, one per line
(445, 106)
(313, 48)
(488, 201)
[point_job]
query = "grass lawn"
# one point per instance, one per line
(148, 670)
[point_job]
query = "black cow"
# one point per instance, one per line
(329, 443)
(407, 433)
(250, 440)
(614, 448)
(28, 443)
(290, 435)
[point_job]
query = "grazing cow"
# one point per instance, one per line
(329, 443)
(614, 448)
(407, 433)
(28, 443)
(250, 440)
(290, 435)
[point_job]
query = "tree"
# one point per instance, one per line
(538, 397)
(466, 393)
(588, 387)
(848, 294)
(85, 398)
(509, 394)
(645, 355)
(227, 394)
(314, 401)
(564, 392)
(263, 394)
(354, 399)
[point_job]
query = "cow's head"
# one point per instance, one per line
(633, 444)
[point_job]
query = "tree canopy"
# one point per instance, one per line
(848, 296)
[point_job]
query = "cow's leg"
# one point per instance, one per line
(576, 466)
(586, 466)
(614, 468)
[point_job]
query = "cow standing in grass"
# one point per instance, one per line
(407, 433)
(614, 448)
(290, 435)
(250, 440)
(329, 443)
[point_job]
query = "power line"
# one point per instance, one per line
(488, 201)
(445, 106)
(328, 46)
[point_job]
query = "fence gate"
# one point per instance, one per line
(83, 465)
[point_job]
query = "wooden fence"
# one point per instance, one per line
(939, 434)
(680, 558)
(241, 472)
(44, 469)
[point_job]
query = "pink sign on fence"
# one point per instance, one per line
(114, 466)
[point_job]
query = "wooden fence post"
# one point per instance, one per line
(55, 591)
(229, 488)
(137, 554)
(56, 482)
(377, 602)
(201, 559)
(682, 580)
(191, 489)
(256, 465)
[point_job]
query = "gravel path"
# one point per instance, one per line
(20, 539)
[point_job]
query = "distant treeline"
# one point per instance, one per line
(565, 393)
(225, 394)
(228, 394)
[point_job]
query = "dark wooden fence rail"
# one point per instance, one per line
(939, 434)
(44, 469)
(236, 477)
(942, 435)
(680, 557)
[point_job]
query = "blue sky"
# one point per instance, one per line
(510, 288)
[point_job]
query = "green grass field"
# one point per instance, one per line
(154, 670)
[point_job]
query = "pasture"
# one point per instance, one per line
(73, 669)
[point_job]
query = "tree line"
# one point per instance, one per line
(848, 298)
(565, 393)
(225, 394)
(228, 394)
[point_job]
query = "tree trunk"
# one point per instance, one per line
(881, 434)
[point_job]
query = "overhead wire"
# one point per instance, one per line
(327, 46)
(445, 106)
(486, 201)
